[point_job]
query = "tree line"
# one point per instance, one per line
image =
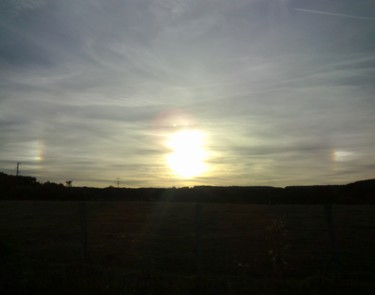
(28, 188)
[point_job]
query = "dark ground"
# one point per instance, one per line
(185, 248)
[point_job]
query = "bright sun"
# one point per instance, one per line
(187, 157)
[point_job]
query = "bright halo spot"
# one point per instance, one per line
(342, 155)
(187, 157)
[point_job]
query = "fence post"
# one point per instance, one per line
(198, 248)
(333, 239)
(198, 239)
(82, 211)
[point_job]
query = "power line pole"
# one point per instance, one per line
(118, 182)
(18, 165)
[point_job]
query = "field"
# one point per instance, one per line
(185, 248)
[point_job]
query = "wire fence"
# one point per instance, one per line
(117, 245)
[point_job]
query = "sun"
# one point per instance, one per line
(188, 155)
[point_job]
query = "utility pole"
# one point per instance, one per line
(18, 165)
(118, 182)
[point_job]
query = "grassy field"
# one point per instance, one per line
(185, 248)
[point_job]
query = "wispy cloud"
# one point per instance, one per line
(90, 89)
(335, 14)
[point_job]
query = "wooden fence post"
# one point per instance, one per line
(333, 240)
(198, 238)
(198, 249)
(82, 210)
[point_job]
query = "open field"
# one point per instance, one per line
(185, 248)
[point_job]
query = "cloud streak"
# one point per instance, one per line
(89, 90)
(335, 14)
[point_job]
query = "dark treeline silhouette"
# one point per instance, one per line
(28, 188)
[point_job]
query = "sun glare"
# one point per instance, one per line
(187, 156)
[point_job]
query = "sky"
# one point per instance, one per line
(163, 93)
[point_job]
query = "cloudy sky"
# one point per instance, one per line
(188, 92)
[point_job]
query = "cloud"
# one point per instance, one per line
(336, 14)
(16, 7)
(87, 89)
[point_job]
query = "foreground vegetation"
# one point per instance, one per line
(185, 248)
